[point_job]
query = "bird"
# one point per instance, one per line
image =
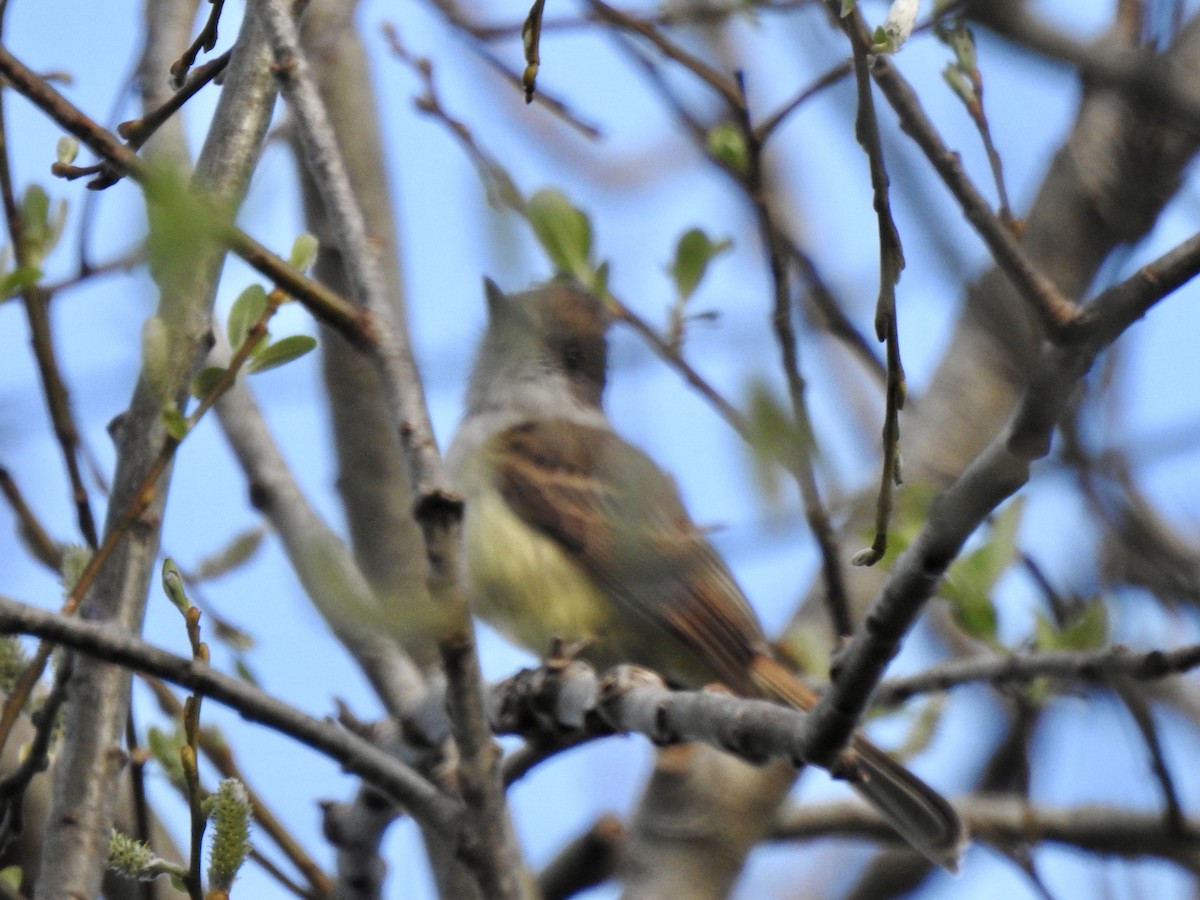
(573, 534)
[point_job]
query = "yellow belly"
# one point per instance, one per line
(523, 584)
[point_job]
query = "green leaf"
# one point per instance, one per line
(18, 280)
(282, 351)
(897, 26)
(244, 672)
(236, 553)
(164, 747)
(176, 425)
(924, 728)
(10, 877)
(960, 84)
(235, 638)
(727, 144)
(1085, 629)
(206, 381)
(66, 150)
(304, 252)
(955, 35)
(563, 231)
(983, 567)
(172, 582)
(247, 309)
(972, 578)
(773, 438)
(57, 222)
(599, 285)
(501, 191)
(35, 208)
(693, 253)
(35, 224)
(973, 610)
(1089, 630)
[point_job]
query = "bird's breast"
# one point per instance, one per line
(523, 583)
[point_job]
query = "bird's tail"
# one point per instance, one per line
(919, 814)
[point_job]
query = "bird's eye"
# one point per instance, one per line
(572, 356)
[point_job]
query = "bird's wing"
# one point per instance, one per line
(621, 519)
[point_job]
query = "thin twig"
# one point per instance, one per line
(1139, 711)
(220, 755)
(1148, 78)
(44, 547)
(316, 298)
(1053, 310)
(557, 107)
(1090, 667)
(765, 129)
(479, 37)
(103, 641)
(834, 318)
(725, 88)
(124, 262)
(1006, 822)
(768, 126)
(692, 14)
(670, 355)
(54, 388)
(891, 262)
(804, 466)
(14, 785)
(193, 791)
(137, 131)
(975, 110)
(205, 40)
(1108, 316)
(587, 861)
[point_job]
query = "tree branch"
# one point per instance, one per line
(1093, 667)
(319, 300)
(1008, 823)
(111, 645)
(994, 475)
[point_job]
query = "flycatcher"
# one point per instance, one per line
(571, 532)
